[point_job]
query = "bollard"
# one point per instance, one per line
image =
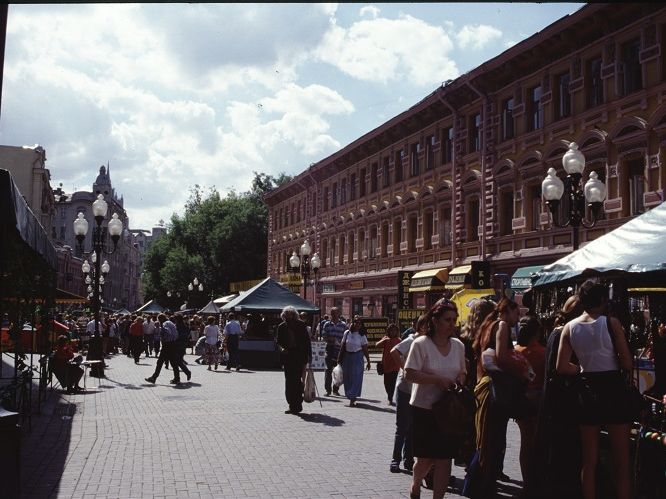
(10, 454)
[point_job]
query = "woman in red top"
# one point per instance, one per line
(529, 336)
(391, 367)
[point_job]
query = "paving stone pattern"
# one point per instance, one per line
(224, 434)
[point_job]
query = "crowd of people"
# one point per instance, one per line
(559, 380)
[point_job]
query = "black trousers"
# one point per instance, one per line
(169, 353)
(328, 375)
(389, 384)
(233, 342)
(293, 385)
(136, 346)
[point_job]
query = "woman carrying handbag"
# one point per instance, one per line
(354, 347)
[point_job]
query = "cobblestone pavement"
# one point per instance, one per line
(224, 434)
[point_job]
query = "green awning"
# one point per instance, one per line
(522, 278)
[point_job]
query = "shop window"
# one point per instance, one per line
(445, 226)
(535, 113)
(386, 172)
(374, 169)
(343, 191)
(397, 236)
(412, 233)
(385, 239)
(430, 153)
(414, 159)
(474, 135)
(630, 67)
(427, 230)
(361, 179)
(334, 195)
(563, 97)
(472, 220)
(352, 187)
(447, 145)
(398, 165)
(508, 124)
(506, 212)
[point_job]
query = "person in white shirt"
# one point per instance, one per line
(232, 333)
(212, 350)
(436, 363)
(352, 350)
(148, 335)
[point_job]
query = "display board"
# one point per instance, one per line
(376, 329)
(318, 362)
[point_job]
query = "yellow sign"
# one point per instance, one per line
(356, 285)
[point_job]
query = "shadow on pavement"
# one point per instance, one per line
(369, 407)
(45, 449)
(186, 385)
(324, 419)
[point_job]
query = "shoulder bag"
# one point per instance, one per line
(380, 368)
(454, 412)
(343, 349)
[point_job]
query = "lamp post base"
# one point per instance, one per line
(95, 353)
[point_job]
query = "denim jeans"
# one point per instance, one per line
(402, 446)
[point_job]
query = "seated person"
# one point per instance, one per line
(63, 367)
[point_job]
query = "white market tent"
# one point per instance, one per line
(224, 299)
(638, 246)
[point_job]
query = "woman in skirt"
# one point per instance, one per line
(352, 350)
(602, 351)
(436, 363)
(212, 349)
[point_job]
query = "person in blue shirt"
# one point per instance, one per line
(332, 335)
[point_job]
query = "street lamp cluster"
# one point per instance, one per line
(305, 264)
(195, 285)
(97, 273)
(594, 192)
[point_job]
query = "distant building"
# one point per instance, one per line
(27, 166)
(122, 288)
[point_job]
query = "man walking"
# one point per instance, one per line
(169, 351)
(334, 330)
(295, 353)
(232, 332)
(148, 335)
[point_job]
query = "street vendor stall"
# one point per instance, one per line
(261, 306)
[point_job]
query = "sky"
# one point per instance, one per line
(177, 95)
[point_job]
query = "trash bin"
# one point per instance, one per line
(9, 454)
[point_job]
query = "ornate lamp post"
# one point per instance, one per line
(96, 274)
(594, 193)
(192, 286)
(305, 264)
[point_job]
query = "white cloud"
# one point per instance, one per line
(369, 10)
(478, 36)
(389, 49)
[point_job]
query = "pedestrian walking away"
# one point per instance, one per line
(295, 353)
(136, 338)
(232, 333)
(169, 350)
(332, 334)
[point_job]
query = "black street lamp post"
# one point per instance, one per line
(594, 193)
(304, 265)
(96, 274)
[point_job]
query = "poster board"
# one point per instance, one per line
(318, 356)
(406, 316)
(376, 329)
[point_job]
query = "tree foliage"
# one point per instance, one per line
(218, 240)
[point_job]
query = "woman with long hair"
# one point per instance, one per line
(490, 422)
(601, 348)
(352, 350)
(436, 363)
(478, 312)
(211, 354)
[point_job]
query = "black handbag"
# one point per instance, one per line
(454, 412)
(380, 368)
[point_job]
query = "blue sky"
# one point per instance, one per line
(182, 94)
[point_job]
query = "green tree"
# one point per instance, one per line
(219, 240)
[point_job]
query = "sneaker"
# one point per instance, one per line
(395, 467)
(150, 380)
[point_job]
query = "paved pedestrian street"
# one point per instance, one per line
(224, 434)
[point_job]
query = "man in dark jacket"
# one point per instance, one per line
(295, 354)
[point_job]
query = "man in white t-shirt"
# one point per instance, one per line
(232, 333)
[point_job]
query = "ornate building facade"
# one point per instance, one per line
(122, 288)
(457, 177)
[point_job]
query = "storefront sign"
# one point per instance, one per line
(404, 298)
(375, 328)
(356, 285)
(481, 275)
(406, 316)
